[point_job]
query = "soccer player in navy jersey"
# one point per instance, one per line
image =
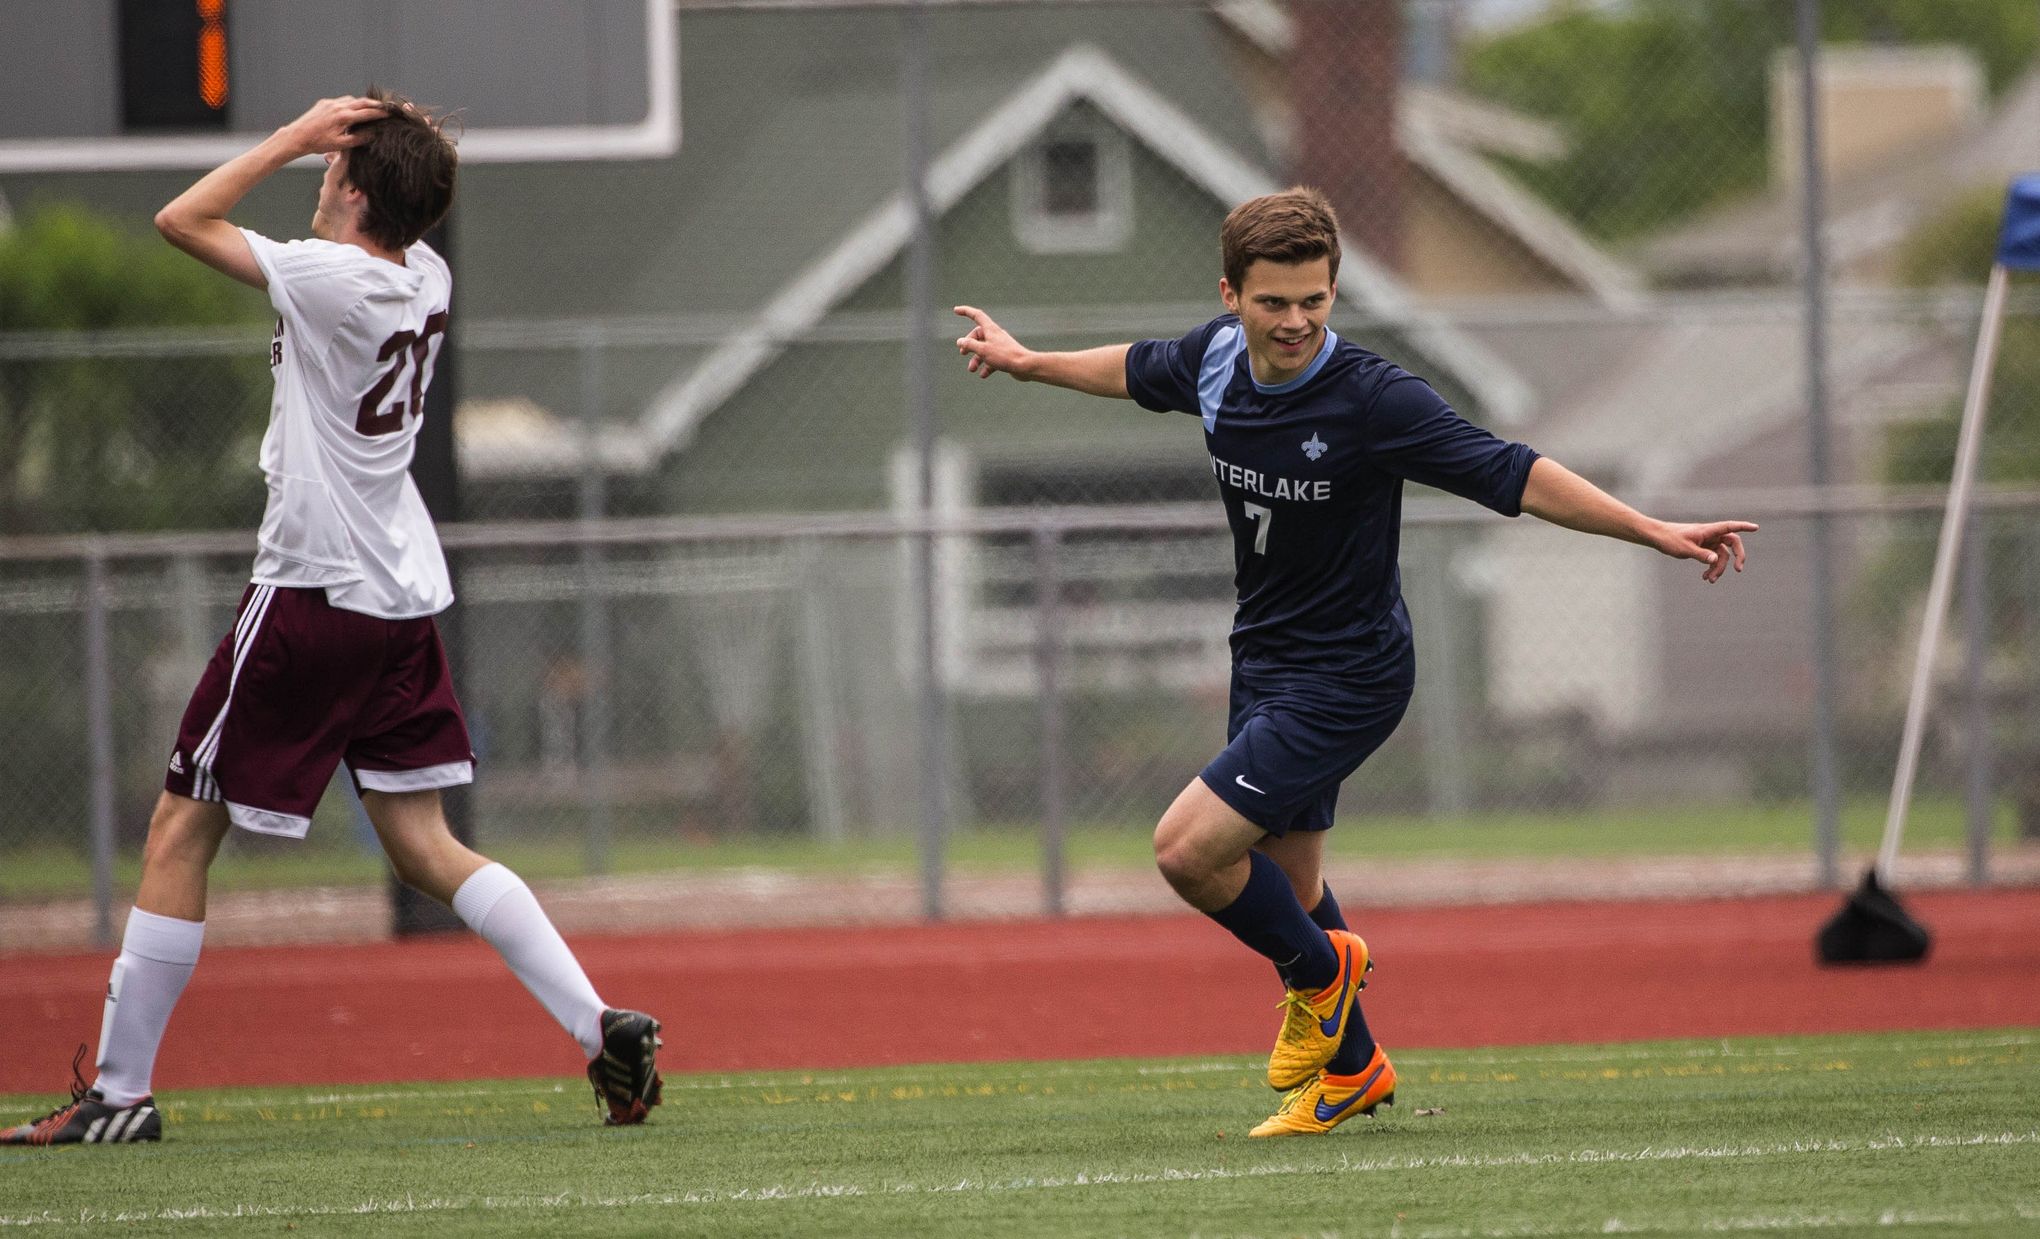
(1311, 439)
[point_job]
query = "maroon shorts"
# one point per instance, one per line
(301, 685)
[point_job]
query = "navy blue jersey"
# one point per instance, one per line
(1311, 472)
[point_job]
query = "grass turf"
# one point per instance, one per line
(1915, 1133)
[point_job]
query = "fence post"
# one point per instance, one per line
(1826, 673)
(1979, 801)
(1445, 760)
(99, 739)
(818, 698)
(1048, 663)
(920, 326)
(594, 619)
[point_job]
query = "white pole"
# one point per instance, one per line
(1967, 448)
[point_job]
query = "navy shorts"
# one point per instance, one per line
(1292, 738)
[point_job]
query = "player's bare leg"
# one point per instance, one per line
(420, 844)
(184, 836)
(621, 1045)
(1201, 847)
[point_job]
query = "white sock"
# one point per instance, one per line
(157, 954)
(498, 905)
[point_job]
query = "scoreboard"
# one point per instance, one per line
(104, 84)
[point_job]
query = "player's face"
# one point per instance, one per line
(332, 198)
(1283, 307)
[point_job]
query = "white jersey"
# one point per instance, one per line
(356, 339)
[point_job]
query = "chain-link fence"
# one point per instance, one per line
(683, 694)
(723, 382)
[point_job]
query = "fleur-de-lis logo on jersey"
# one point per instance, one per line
(1315, 447)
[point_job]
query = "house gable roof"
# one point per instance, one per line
(1082, 73)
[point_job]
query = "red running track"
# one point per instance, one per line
(844, 997)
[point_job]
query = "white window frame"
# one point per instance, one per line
(1102, 231)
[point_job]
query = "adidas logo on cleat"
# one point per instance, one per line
(124, 1126)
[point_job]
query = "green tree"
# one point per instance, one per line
(1665, 101)
(95, 435)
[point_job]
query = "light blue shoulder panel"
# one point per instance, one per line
(1219, 357)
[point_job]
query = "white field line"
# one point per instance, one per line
(1107, 1178)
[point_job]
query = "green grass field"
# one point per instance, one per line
(1914, 1133)
(331, 858)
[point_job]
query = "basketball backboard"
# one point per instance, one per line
(533, 80)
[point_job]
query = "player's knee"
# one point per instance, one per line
(430, 860)
(1181, 861)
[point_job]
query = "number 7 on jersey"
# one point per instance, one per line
(1263, 519)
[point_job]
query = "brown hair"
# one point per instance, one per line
(405, 169)
(1294, 226)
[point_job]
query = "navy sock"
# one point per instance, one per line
(1268, 919)
(1326, 914)
(1357, 1047)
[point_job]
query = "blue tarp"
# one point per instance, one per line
(2019, 238)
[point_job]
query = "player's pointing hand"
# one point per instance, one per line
(989, 347)
(1716, 544)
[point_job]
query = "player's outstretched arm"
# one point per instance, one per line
(991, 349)
(1557, 494)
(195, 221)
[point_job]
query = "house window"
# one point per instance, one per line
(1073, 188)
(1069, 180)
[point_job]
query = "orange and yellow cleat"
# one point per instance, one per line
(1329, 1100)
(1314, 1024)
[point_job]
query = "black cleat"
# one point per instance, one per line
(626, 1073)
(88, 1119)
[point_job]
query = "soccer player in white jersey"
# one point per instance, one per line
(1311, 439)
(334, 655)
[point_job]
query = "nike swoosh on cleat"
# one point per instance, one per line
(1329, 1026)
(1241, 779)
(1326, 1114)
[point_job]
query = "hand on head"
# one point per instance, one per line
(331, 124)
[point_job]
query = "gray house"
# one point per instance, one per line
(1081, 162)
(721, 331)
